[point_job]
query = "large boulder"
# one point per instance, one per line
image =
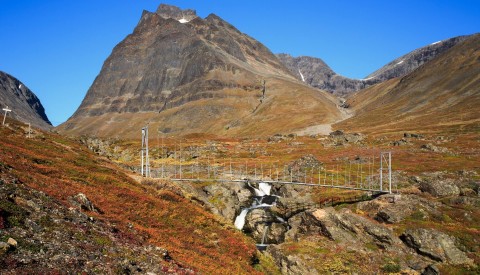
(435, 245)
(440, 187)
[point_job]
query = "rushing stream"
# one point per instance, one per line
(262, 199)
(261, 193)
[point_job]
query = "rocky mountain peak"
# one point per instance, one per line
(183, 16)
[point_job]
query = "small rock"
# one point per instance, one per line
(400, 142)
(433, 148)
(12, 242)
(81, 201)
(412, 135)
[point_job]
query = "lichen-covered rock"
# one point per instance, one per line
(436, 245)
(440, 188)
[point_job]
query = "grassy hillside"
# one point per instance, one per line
(62, 168)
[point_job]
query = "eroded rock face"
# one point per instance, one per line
(436, 245)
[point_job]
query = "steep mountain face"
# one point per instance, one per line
(316, 73)
(411, 61)
(178, 71)
(22, 101)
(441, 93)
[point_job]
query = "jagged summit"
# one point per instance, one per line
(183, 16)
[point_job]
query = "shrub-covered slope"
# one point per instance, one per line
(40, 178)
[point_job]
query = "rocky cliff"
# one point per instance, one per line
(22, 101)
(180, 71)
(318, 74)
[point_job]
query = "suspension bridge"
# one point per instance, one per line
(370, 174)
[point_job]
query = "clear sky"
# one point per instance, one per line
(57, 47)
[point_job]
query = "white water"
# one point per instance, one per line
(265, 188)
(240, 219)
(262, 191)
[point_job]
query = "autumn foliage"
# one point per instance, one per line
(61, 168)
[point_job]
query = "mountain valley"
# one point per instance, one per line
(197, 150)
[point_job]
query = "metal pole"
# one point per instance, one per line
(163, 160)
(381, 172)
(180, 148)
(141, 154)
(147, 174)
(390, 172)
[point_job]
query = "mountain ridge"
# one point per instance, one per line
(441, 93)
(319, 75)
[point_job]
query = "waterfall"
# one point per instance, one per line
(262, 191)
(240, 219)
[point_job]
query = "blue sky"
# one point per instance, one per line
(57, 47)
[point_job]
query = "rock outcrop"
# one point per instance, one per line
(436, 245)
(25, 105)
(394, 209)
